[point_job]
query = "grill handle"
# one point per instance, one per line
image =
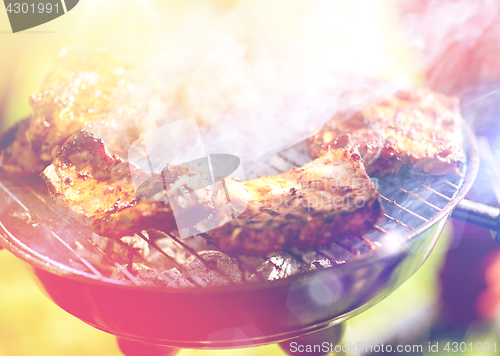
(479, 214)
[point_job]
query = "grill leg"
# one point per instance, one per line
(136, 348)
(324, 340)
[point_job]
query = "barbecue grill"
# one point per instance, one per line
(230, 302)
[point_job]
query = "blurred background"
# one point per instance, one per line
(452, 46)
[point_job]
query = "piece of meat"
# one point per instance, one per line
(116, 198)
(77, 90)
(18, 158)
(421, 128)
(302, 208)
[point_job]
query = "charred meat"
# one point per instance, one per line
(116, 198)
(77, 90)
(421, 128)
(303, 208)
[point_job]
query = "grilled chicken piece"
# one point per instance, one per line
(421, 128)
(302, 208)
(117, 199)
(77, 90)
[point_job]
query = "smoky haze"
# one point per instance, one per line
(257, 77)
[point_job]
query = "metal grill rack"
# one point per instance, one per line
(32, 223)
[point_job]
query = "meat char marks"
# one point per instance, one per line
(303, 208)
(76, 90)
(421, 128)
(116, 198)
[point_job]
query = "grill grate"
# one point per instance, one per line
(32, 222)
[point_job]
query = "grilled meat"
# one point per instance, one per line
(18, 158)
(76, 90)
(115, 198)
(421, 128)
(302, 208)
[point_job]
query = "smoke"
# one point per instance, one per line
(459, 46)
(257, 77)
(458, 40)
